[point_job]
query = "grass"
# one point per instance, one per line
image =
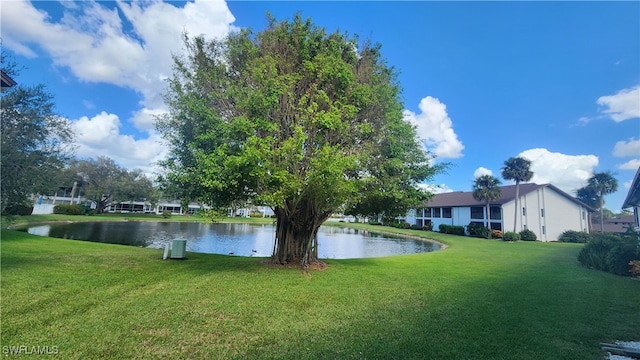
(478, 299)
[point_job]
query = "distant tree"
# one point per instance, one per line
(603, 183)
(35, 140)
(589, 196)
(487, 188)
(292, 117)
(104, 182)
(517, 169)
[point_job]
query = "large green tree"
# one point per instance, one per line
(104, 182)
(602, 183)
(35, 140)
(517, 169)
(486, 188)
(292, 117)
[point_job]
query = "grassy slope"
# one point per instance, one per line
(477, 299)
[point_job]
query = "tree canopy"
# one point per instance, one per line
(104, 182)
(292, 117)
(486, 188)
(602, 183)
(35, 140)
(517, 169)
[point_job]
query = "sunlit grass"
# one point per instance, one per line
(478, 299)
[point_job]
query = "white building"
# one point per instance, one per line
(633, 200)
(544, 209)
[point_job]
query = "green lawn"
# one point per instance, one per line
(477, 299)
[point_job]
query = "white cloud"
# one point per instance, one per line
(100, 135)
(435, 189)
(624, 105)
(482, 171)
(127, 45)
(568, 172)
(92, 42)
(627, 148)
(633, 164)
(435, 128)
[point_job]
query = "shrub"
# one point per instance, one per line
(496, 234)
(166, 214)
(375, 223)
(86, 210)
(414, 227)
(18, 209)
(620, 257)
(574, 236)
(528, 235)
(478, 230)
(451, 229)
(64, 209)
(405, 225)
(610, 252)
(427, 227)
(511, 236)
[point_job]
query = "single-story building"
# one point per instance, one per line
(544, 209)
(633, 200)
(617, 225)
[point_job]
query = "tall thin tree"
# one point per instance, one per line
(487, 188)
(604, 183)
(519, 170)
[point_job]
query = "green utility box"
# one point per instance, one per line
(178, 248)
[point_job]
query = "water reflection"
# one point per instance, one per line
(235, 239)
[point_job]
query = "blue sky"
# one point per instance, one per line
(555, 82)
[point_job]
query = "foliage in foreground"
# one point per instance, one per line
(474, 300)
(611, 253)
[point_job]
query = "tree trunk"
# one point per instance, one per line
(488, 221)
(515, 214)
(601, 212)
(297, 224)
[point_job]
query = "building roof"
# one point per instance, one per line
(465, 198)
(615, 225)
(6, 80)
(633, 197)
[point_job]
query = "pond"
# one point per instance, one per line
(233, 239)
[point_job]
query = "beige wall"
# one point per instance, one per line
(560, 214)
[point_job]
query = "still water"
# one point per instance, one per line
(233, 239)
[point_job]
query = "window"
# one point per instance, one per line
(541, 212)
(583, 215)
(496, 226)
(543, 229)
(436, 212)
(496, 212)
(477, 212)
(524, 211)
(446, 213)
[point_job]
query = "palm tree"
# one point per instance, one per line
(517, 169)
(603, 183)
(487, 188)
